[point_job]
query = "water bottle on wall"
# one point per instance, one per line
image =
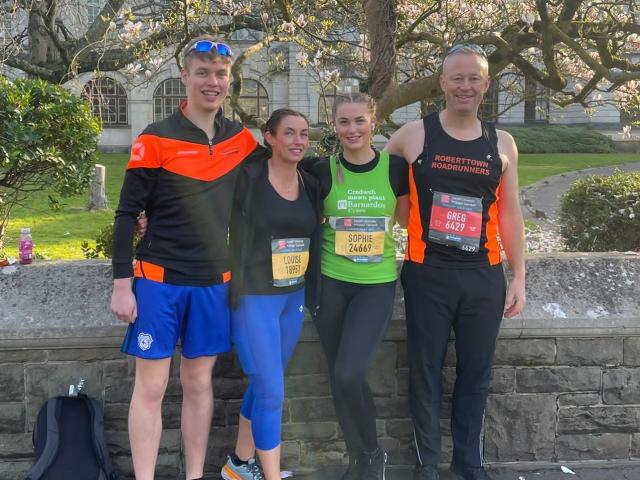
(25, 246)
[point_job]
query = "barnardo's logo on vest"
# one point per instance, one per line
(144, 341)
(342, 204)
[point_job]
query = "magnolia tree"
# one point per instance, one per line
(581, 51)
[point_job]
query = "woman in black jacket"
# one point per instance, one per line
(274, 237)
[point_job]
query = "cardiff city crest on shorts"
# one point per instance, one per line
(144, 341)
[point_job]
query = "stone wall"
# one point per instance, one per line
(565, 381)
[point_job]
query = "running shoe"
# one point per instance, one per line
(246, 471)
(354, 470)
(373, 465)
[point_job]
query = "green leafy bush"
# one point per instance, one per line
(48, 141)
(104, 244)
(560, 139)
(602, 213)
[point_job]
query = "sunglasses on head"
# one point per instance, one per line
(467, 47)
(208, 46)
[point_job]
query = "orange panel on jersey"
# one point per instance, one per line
(415, 246)
(198, 162)
(492, 244)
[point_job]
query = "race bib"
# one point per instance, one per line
(456, 221)
(360, 239)
(289, 260)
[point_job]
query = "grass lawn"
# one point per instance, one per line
(536, 166)
(58, 235)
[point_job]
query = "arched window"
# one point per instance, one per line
(108, 101)
(253, 99)
(327, 99)
(5, 28)
(167, 98)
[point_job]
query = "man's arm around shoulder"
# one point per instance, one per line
(407, 141)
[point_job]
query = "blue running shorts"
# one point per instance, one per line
(197, 316)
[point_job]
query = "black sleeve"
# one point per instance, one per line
(399, 175)
(258, 154)
(322, 173)
(308, 163)
(136, 190)
(237, 234)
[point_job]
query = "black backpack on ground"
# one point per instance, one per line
(68, 441)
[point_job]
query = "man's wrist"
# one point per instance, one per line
(122, 283)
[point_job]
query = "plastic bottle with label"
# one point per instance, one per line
(25, 246)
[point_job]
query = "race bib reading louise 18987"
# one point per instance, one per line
(289, 260)
(456, 221)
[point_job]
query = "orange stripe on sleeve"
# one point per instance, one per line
(416, 245)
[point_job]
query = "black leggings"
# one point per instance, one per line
(351, 322)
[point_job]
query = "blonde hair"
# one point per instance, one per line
(357, 97)
(342, 99)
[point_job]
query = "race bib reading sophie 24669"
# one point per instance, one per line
(456, 221)
(360, 239)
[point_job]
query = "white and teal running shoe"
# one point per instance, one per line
(246, 471)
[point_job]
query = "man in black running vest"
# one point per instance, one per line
(464, 207)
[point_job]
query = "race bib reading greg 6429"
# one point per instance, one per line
(456, 221)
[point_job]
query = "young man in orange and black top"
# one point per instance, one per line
(182, 173)
(463, 193)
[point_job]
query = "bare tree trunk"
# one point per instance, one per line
(42, 50)
(381, 30)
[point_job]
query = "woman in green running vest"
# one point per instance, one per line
(364, 192)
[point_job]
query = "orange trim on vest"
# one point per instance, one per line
(416, 246)
(145, 152)
(492, 244)
(205, 163)
(149, 271)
